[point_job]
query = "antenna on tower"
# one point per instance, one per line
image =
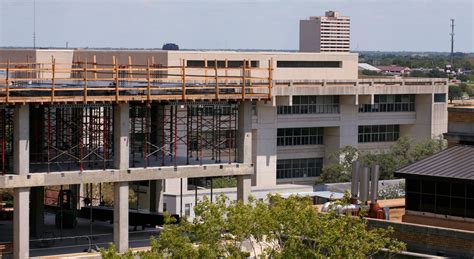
(452, 43)
(34, 24)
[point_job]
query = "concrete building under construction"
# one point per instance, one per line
(85, 116)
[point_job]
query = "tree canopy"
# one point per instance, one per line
(400, 154)
(276, 228)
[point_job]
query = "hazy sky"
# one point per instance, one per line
(390, 25)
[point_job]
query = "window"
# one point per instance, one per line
(187, 209)
(299, 136)
(390, 103)
(220, 63)
(379, 133)
(311, 104)
(439, 98)
(440, 197)
(299, 168)
(308, 64)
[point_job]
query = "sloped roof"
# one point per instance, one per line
(455, 162)
(365, 66)
(396, 69)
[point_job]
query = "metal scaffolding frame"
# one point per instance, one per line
(6, 138)
(71, 137)
(182, 133)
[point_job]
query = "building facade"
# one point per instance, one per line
(273, 134)
(329, 33)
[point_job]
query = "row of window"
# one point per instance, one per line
(447, 198)
(220, 63)
(390, 103)
(299, 168)
(379, 133)
(299, 136)
(311, 105)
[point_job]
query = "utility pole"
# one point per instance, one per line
(34, 24)
(452, 43)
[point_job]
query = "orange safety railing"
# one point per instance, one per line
(83, 82)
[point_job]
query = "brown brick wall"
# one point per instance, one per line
(461, 116)
(431, 240)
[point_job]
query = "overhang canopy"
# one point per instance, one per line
(456, 162)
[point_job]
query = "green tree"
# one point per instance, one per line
(340, 171)
(455, 92)
(401, 153)
(276, 228)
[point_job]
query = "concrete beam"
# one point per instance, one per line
(21, 223)
(121, 135)
(114, 175)
(121, 216)
(244, 183)
(21, 136)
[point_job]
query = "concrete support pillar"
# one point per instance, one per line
(121, 216)
(121, 161)
(21, 136)
(121, 136)
(21, 224)
(244, 183)
(21, 166)
(245, 133)
(266, 149)
(156, 195)
(37, 211)
(348, 131)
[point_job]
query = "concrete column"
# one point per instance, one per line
(348, 131)
(266, 149)
(121, 161)
(121, 136)
(121, 216)
(244, 183)
(21, 136)
(37, 211)
(21, 166)
(156, 195)
(21, 224)
(245, 133)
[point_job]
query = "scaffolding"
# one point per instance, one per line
(91, 82)
(6, 138)
(71, 137)
(182, 134)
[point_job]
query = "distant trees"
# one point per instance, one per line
(401, 153)
(275, 228)
(455, 92)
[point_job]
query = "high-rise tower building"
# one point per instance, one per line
(329, 33)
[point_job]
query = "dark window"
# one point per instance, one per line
(379, 133)
(390, 103)
(439, 98)
(413, 201)
(311, 104)
(308, 64)
(299, 168)
(299, 136)
(220, 63)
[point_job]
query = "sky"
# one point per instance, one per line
(376, 25)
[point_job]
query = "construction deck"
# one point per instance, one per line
(83, 82)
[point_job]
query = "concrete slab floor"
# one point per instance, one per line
(56, 241)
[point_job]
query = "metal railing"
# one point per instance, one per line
(82, 82)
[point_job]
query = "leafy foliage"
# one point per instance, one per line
(276, 228)
(401, 153)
